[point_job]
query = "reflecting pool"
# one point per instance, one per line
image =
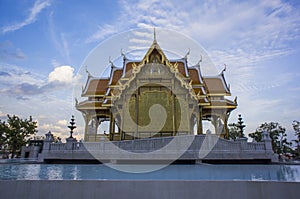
(289, 173)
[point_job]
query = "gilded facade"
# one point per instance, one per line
(155, 97)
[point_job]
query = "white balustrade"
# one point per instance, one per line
(158, 143)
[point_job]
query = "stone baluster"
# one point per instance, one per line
(47, 141)
(268, 142)
(243, 142)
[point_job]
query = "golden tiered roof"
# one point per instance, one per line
(209, 91)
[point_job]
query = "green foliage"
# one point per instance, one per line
(16, 131)
(234, 131)
(278, 136)
(296, 127)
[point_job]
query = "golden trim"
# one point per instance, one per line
(91, 108)
(92, 95)
(219, 94)
(107, 105)
(219, 107)
(204, 104)
(198, 85)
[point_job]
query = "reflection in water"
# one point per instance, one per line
(288, 173)
(29, 172)
(172, 172)
(53, 172)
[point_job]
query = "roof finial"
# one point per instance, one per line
(223, 69)
(186, 55)
(111, 63)
(86, 70)
(123, 54)
(198, 64)
(235, 99)
(154, 35)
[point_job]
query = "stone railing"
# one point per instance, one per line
(64, 146)
(198, 142)
(259, 146)
(185, 147)
(57, 146)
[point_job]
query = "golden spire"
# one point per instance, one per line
(154, 36)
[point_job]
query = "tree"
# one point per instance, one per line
(236, 130)
(278, 136)
(17, 131)
(296, 127)
(2, 137)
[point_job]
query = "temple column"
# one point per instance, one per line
(199, 122)
(87, 119)
(136, 115)
(174, 114)
(111, 127)
(193, 121)
(188, 114)
(214, 120)
(97, 124)
(122, 125)
(226, 131)
(114, 128)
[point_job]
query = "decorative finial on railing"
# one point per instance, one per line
(49, 136)
(72, 126)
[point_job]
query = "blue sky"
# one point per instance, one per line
(44, 43)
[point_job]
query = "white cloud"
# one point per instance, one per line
(62, 122)
(38, 6)
(59, 40)
(62, 74)
(56, 129)
(2, 115)
(17, 75)
(21, 84)
(102, 32)
(55, 63)
(60, 129)
(9, 52)
(260, 29)
(238, 33)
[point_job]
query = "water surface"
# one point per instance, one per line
(172, 172)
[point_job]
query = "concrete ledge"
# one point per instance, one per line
(147, 189)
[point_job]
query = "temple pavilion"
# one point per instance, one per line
(126, 97)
